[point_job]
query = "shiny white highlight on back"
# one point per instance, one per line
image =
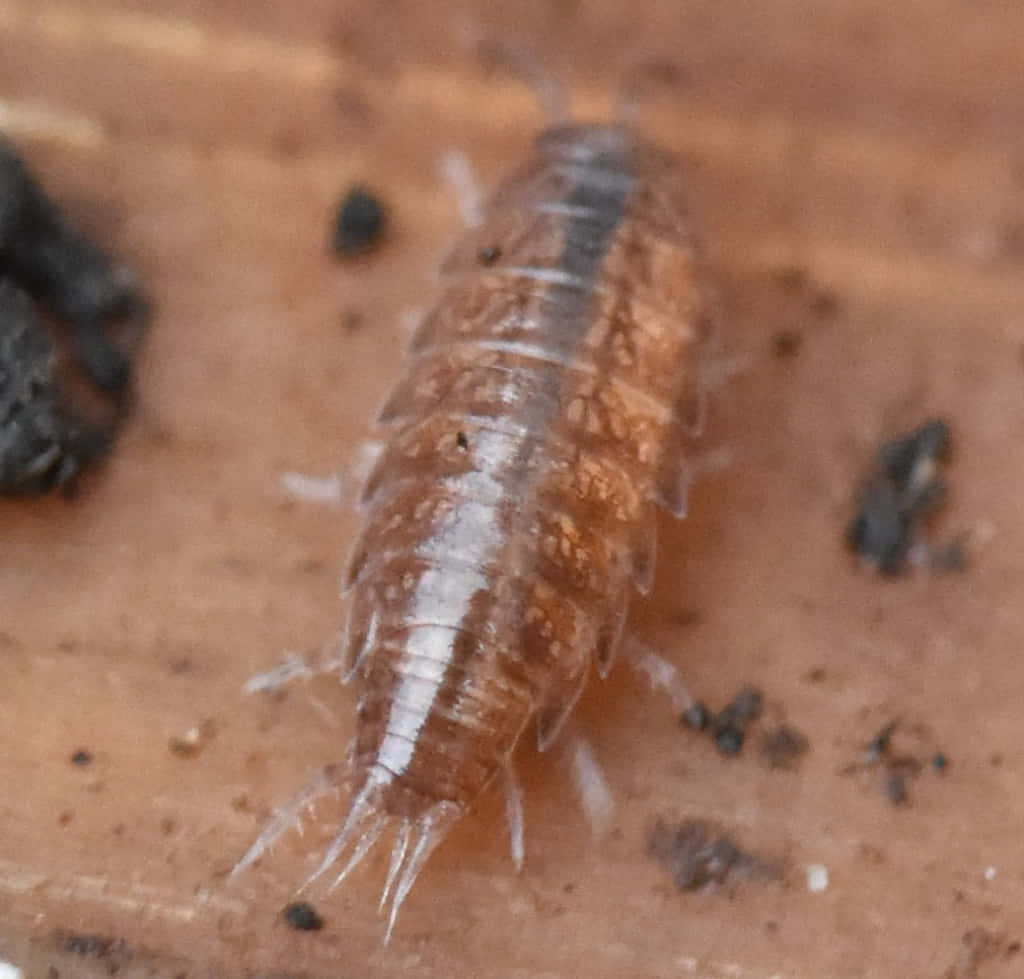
(445, 598)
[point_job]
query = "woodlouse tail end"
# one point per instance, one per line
(416, 837)
(415, 842)
(328, 781)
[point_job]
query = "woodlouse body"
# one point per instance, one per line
(544, 414)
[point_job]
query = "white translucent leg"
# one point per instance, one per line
(659, 672)
(521, 62)
(514, 815)
(457, 172)
(591, 785)
(305, 488)
(295, 667)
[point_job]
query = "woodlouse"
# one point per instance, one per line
(546, 411)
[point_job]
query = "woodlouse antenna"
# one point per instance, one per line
(520, 61)
(644, 75)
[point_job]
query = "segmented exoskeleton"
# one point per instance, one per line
(546, 410)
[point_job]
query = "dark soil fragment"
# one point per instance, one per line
(42, 443)
(897, 500)
(303, 917)
(698, 854)
(359, 224)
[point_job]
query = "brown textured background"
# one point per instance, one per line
(877, 147)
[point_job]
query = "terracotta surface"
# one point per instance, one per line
(856, 172)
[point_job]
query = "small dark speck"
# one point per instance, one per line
(782, 746)
(950, 557)
(792, 278)
(786, 343)
(489, 255)
(825, 305)
(896, 788)
(359, 223)
(81, 757)
(697, 716)
(879, 744)
(462, 441)
(352, 320)
(729, 739)
(731, 723)
(745, 706)
(1013, 948)
(303, 917)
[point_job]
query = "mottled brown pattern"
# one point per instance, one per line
(544, 413)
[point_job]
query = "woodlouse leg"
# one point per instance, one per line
(307, 488)
(672, 491)
(457, 172)
(659, 672)
(293, 667)
(521, 62)
(551, 717)
(592, 786)
(514, 815)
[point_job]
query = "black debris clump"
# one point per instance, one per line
(360, 223)
(729, 727)
(877, 748)
(115, 953)
(43, 442)
(698, 854)
(898, 768)
(44, 260)
(781, 746)
(303, 917)
(903, 493)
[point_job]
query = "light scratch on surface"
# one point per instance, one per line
(766, 141)
(38, 120)
(76, 888)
